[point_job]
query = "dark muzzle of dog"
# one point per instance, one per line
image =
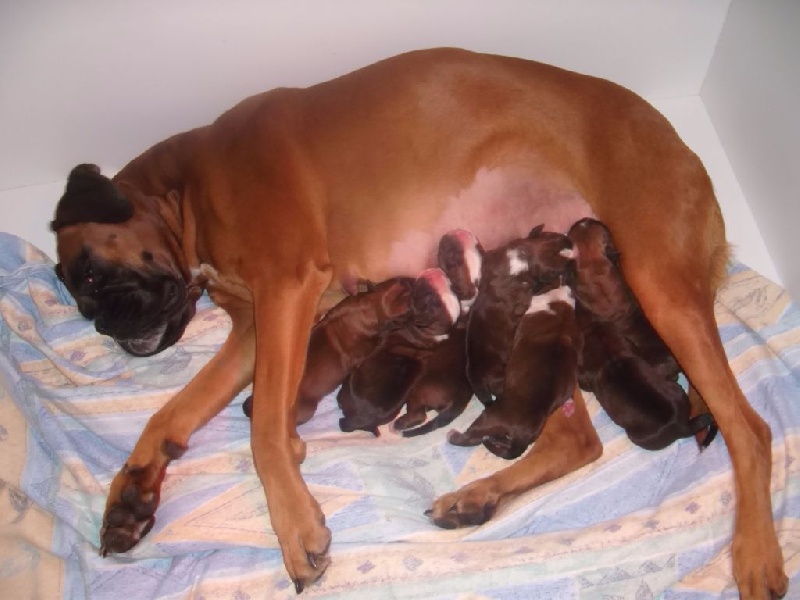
(143, 312)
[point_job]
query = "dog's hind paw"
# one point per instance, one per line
(474, 504)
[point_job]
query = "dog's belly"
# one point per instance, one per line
(497, 206)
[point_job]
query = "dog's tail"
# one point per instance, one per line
(699, 423)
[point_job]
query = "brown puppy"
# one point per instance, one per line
(601, 290)
(376, 390)
(540, 377)
(510, 276)
(297, 191)
(347, 334)
(653, 410)
(442, 386)
(627, 366)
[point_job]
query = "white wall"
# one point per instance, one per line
(100, 81)
(752, 93)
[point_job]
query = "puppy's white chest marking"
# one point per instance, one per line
(542, 302)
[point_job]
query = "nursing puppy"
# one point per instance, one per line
(376, 390)
(653, 410)
(624, 362)
(346, 335)
(601, 290)
(539, 378)
(442, 384)
(510, 276)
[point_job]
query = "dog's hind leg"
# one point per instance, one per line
(675, 282)
(567, 443)
(134, 493)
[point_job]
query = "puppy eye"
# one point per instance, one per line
(88, 275)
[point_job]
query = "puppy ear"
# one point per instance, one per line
(90, 197)
(396, 300)
(536, 231)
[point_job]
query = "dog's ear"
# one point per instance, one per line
(90, 197)
(536, 231)
(396, 300)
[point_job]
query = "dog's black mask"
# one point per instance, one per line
(144, 312)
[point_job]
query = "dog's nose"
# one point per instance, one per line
(101, 327)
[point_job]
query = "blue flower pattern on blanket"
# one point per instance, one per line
(635, 524)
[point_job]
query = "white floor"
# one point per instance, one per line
(27, 211)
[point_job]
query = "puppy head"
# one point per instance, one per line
(599, 285)
(122, 262)
(547, 256)
(460, 257)
(593, 242)
(434, 306)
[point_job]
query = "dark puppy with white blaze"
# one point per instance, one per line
(442, 384)
(540, 377)
(510, 276)
(375, 391)
(347, 334)
(625, 363)
(460, 256)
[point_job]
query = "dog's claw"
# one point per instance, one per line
(298, 586)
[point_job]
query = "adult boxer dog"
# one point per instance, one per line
(297, 191)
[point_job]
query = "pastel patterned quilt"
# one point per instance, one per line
(635, 524)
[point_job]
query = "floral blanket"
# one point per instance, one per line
(635, 524)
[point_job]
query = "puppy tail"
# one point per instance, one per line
(699, 423)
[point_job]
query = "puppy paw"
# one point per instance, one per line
(474, 504)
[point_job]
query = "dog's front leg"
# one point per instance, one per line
(284, 314)
(134, 493)
(567, 443)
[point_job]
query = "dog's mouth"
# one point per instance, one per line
(146, 320)
(143, 313)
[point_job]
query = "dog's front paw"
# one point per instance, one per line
(133, 498)
(474, 504)
(130, 509)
